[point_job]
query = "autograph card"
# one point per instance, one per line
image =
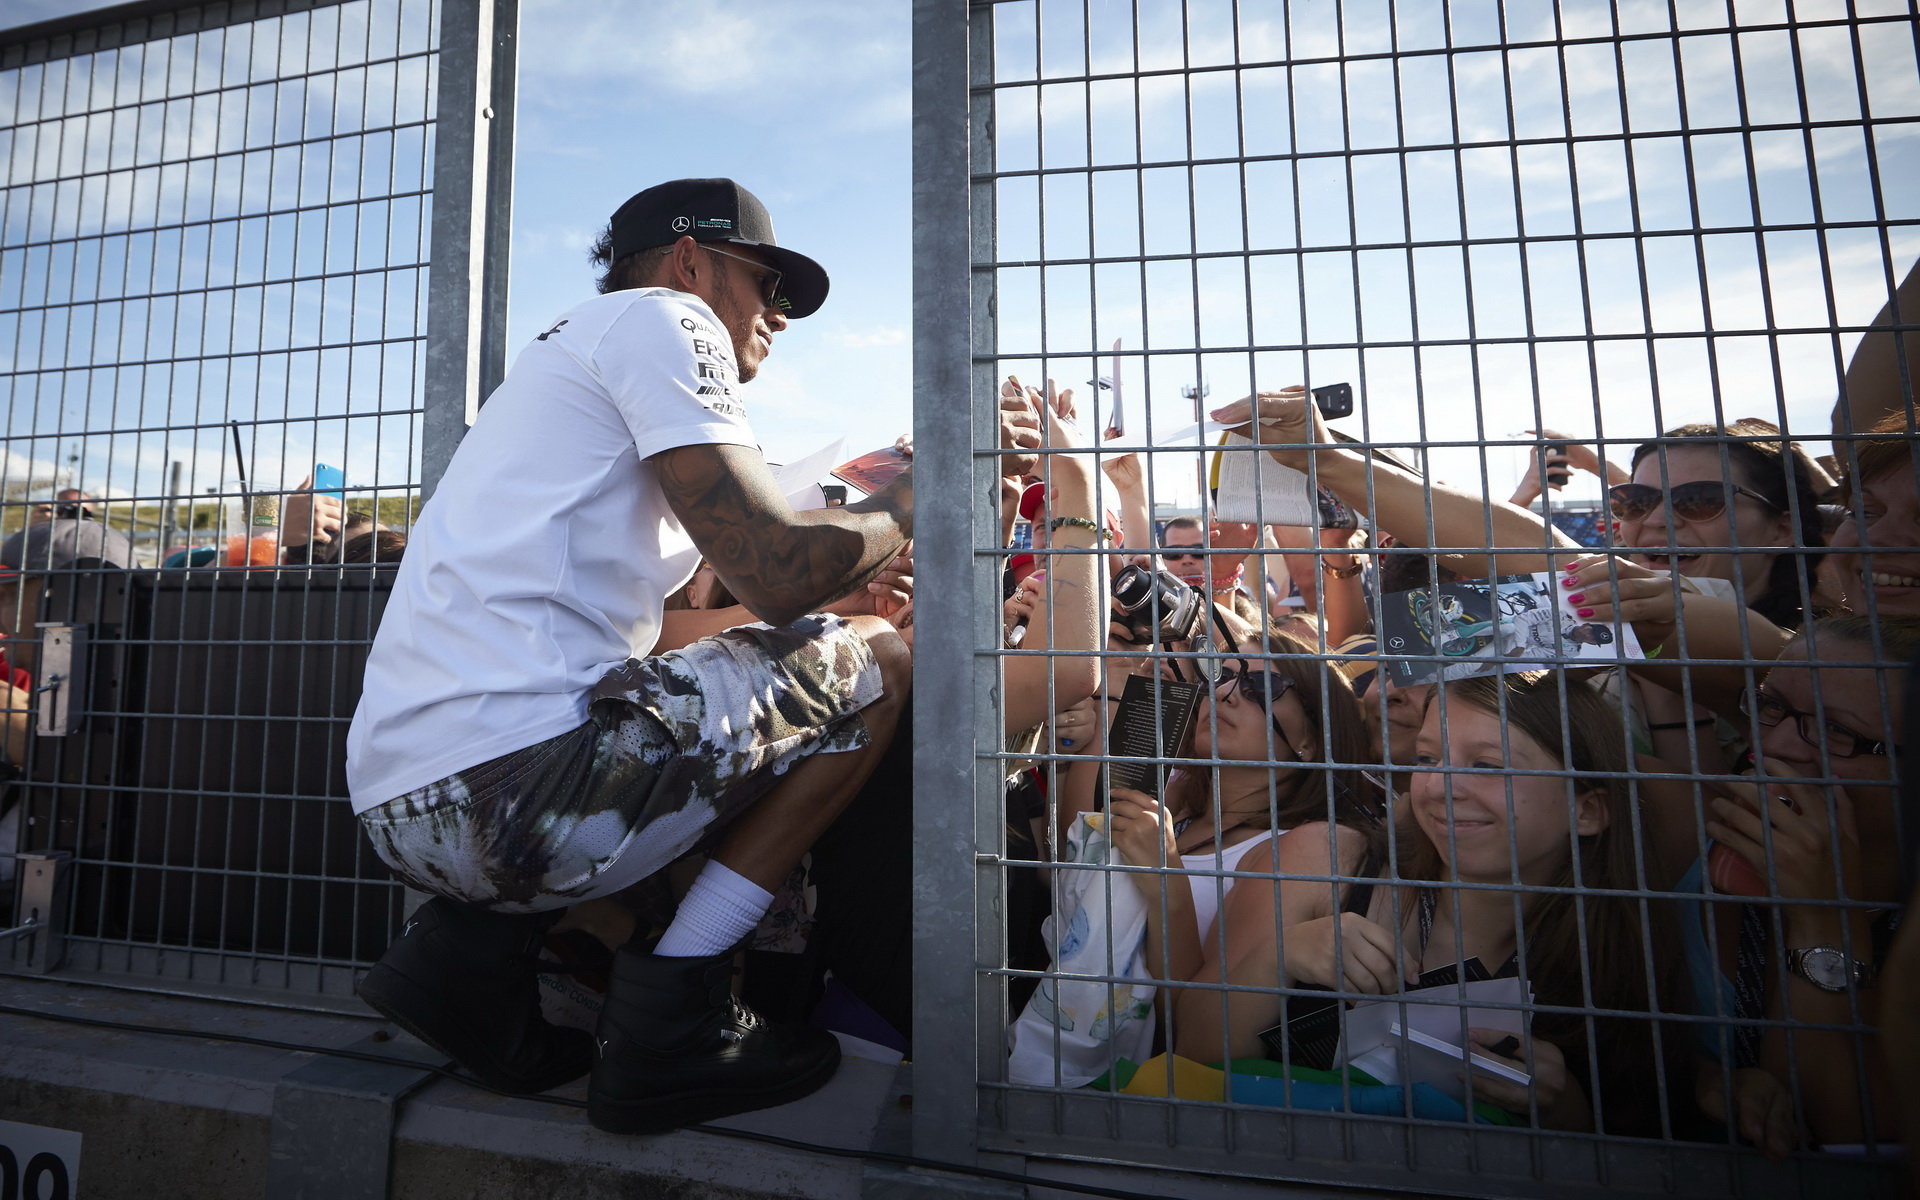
(874, 470)
(1485, 627)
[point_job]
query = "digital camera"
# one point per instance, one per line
(1158, 606)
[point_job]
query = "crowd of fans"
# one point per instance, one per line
(1685, 856)
(1680, 862)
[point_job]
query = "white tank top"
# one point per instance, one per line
(1208, 891)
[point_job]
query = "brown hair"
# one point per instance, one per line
(1888, 445)
(1896, 638)
(1591, 949)
(1786, 475)
(377, 546)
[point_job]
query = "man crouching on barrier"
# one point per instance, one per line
(532, 733)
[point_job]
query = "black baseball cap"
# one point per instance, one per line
(717, 210)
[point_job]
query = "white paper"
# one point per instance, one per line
(1440, 1062)
(1434, 1011)
(1191, 433)
(1256, 489)
(799, 481)
(1116, 411)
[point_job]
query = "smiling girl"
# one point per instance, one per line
(1479, 816)
(1734, 502)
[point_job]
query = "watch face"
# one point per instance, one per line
(1826, 967)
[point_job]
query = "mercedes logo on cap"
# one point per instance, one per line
(681, 224)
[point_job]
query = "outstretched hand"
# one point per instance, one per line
(1019, 429)
(1283, 421)
(1609, 590)
(886, 594)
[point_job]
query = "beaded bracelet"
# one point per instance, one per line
(1057, 523)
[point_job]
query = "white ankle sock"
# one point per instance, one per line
(721, 907)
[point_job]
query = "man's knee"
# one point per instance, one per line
(890, 654)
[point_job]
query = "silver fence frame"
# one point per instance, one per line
(963, 1110)
(471, 72)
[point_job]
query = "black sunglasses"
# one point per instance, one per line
(1262, 688)
(1697, 501)
(1178, 550)
(769, 278)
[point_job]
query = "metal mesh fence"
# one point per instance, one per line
(1588, 280)
(216, 232)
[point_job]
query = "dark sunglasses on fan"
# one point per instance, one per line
(1697, 501)
(1261, 688)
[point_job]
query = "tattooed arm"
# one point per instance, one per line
(781, 564)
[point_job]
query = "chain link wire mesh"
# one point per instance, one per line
(1642, 244)
(216, 229)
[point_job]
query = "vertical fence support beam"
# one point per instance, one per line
(472, 195)
(44, 884)
(944, 874)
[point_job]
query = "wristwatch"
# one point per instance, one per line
(1829, 969)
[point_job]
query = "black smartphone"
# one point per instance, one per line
(1335, 400)
(1557, 475)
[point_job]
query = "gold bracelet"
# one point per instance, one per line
(1343, 572)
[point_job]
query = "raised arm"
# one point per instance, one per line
(1286, 422)
(1070, 610)
(1667, 611)
(781, 564)
(1130, 490)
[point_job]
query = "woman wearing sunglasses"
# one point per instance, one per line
(1278, 734)
(1723, 522)
(1734, 502)
(1265, 721)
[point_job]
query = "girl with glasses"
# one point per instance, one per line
(1818, 713)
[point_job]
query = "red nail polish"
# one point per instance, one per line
(1585, 612)
(1576, 598)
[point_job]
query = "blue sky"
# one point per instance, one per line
(809, 105)
(808, 108)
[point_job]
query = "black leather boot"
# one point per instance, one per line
(461, 979)
(676, 1048)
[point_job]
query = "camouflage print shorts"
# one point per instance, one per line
(676, 746)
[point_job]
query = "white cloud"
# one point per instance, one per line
(735, 56)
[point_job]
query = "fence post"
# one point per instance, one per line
(944, 874)
(472, 196)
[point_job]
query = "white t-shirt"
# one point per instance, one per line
(546, 552)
